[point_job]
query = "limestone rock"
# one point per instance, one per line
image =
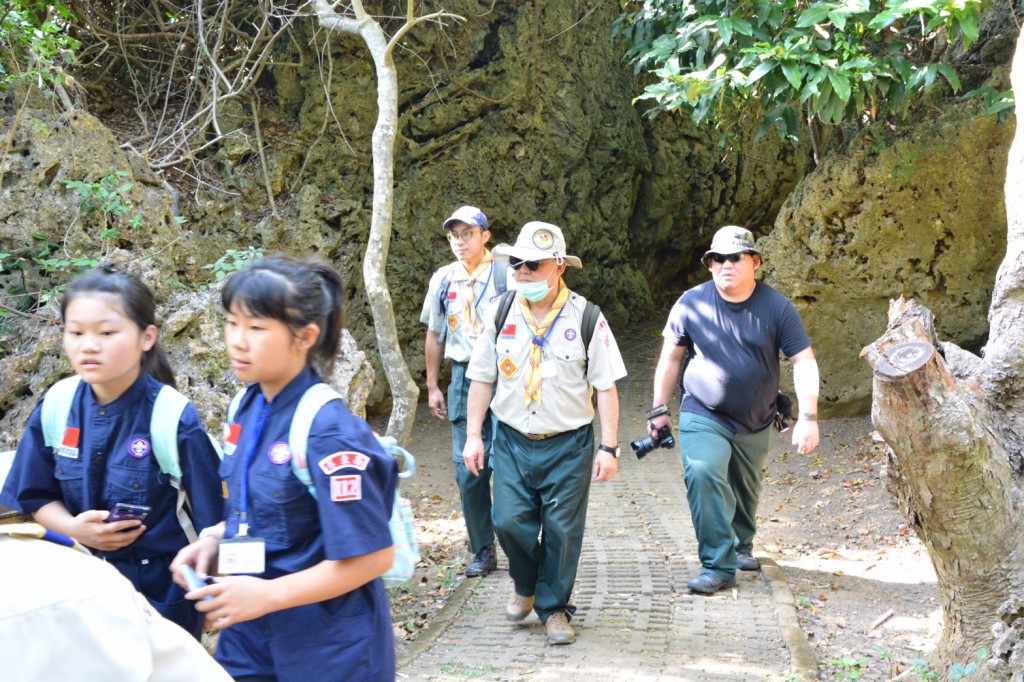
(918, 213)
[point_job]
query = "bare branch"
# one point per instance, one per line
(410, 23)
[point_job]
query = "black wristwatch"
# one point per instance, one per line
(614, 452)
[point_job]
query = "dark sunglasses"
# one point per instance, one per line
(532, 264)
(731, 257)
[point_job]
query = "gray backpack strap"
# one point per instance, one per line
(315, 397)
(587, 327)
(500, 276)
(442, 300)
(57, 408)
(504, 306)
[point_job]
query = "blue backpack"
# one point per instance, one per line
(407, 553)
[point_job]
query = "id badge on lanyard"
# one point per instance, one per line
(244, 554)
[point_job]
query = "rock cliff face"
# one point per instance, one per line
(918, 213)
(525, 111)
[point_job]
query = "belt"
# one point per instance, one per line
(541, 436)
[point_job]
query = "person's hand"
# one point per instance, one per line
(473, 454)
(435, 400)
(91, 529)
(605, 466)
(200, 555)
(805, 436)
(234, 599)
(656, 423)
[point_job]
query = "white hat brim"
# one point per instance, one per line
(504, 251)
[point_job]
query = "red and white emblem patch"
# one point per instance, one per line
(346, 488)
(343, 460)
(69, 444)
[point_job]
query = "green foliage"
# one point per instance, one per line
(34, 42)
(996, 103)
(850, 668)
(921, 669)
(104, 202)
(34, 280)
(959, 671)
(783, 61)
(233, 260)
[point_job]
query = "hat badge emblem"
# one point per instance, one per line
(543, 239)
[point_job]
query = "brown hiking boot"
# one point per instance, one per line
(559, 630)
(518, 607)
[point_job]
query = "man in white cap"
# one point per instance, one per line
(457, 297)
(730, 332)
(542, 355)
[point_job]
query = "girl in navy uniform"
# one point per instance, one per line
(106, 449)
(298, 597)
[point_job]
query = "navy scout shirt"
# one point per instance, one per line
(354, 478)
(115, 463)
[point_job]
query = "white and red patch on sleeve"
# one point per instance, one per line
(343, 460)
(346, 488)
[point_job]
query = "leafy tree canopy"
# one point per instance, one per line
(786, 60)
(34, 42)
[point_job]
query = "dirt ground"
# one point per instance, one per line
(865, 591)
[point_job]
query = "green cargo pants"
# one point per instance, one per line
(541, 490)
(723, 473)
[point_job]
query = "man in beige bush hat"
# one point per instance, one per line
(543, 353)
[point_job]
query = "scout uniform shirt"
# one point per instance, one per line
(453, 313)
(107, 457)
(349, 635)
(565, 391)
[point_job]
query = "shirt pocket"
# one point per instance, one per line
(70, 474)
(131, 484)
(283, 512)
(571, 358)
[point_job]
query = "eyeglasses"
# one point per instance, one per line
(731, 257)
(515, 263)
(463, 236)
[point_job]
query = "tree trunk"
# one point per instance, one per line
(404, 391)
(953, 424)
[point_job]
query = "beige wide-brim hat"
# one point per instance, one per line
(731, 239)
(538, 241)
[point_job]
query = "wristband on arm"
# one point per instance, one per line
(805, 378)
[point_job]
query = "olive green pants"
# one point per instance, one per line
(541, 490)
(474, 491)
(723, 473)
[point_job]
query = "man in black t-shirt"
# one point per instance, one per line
(732, 328)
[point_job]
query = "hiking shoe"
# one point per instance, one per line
(518, 607)
(559, 630)
(709, 583)
(484, 562)
(745, 562)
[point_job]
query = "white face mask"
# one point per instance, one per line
(533, 291)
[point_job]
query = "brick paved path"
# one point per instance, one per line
(635, 618)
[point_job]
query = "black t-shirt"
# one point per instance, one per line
(733, 372)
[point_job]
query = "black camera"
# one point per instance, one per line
(663, 439)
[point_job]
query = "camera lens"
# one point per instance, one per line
(643, 447)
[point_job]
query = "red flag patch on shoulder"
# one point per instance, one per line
(346, 488)
(343, 460)
(508, 331)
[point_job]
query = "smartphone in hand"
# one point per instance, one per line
(123, 511)
(193, 580)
